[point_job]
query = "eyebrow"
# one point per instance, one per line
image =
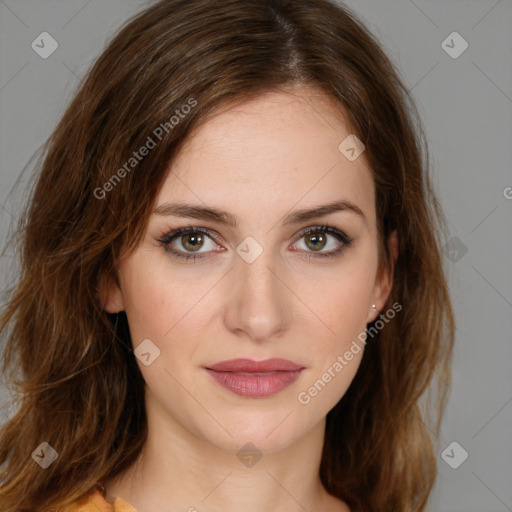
(223, 217)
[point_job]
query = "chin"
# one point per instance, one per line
(269, 432)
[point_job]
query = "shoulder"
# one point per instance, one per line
(333, 504)
(96, 500)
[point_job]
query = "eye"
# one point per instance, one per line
(181, 241)
(317, 238)
(186, 243)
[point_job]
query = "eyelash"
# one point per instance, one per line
(167, 238)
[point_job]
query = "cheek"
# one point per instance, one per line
(341, 303)
(145, 308)
(340, 297)
(166, 308)
(154, 301)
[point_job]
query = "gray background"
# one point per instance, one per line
(466, 106)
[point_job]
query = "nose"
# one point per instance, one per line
(260, 301)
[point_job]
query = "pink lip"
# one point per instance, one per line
(269, 376)
(249, 365)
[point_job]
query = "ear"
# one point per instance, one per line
(109, 293)
(384, 281)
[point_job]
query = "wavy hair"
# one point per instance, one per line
(71, 365)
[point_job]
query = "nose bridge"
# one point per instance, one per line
(261, 305)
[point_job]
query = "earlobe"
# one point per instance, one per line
(109, 294)
(384, 281)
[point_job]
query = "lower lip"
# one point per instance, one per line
(256, 385)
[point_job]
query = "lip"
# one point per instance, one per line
(251, 366)
(255, 379)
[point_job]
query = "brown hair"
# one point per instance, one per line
(79, 386)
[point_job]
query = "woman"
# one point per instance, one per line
(231, 290)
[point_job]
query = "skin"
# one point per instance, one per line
(259, 161)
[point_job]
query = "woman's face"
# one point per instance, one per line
(259, 289)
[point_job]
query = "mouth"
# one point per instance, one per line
(255, 379)
(250, 366)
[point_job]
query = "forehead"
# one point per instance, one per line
(266, 156)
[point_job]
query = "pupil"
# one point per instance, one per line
(196, 240)
(317, 238)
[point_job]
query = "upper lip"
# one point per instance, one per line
(249, 365)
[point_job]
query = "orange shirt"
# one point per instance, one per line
(96, 501)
